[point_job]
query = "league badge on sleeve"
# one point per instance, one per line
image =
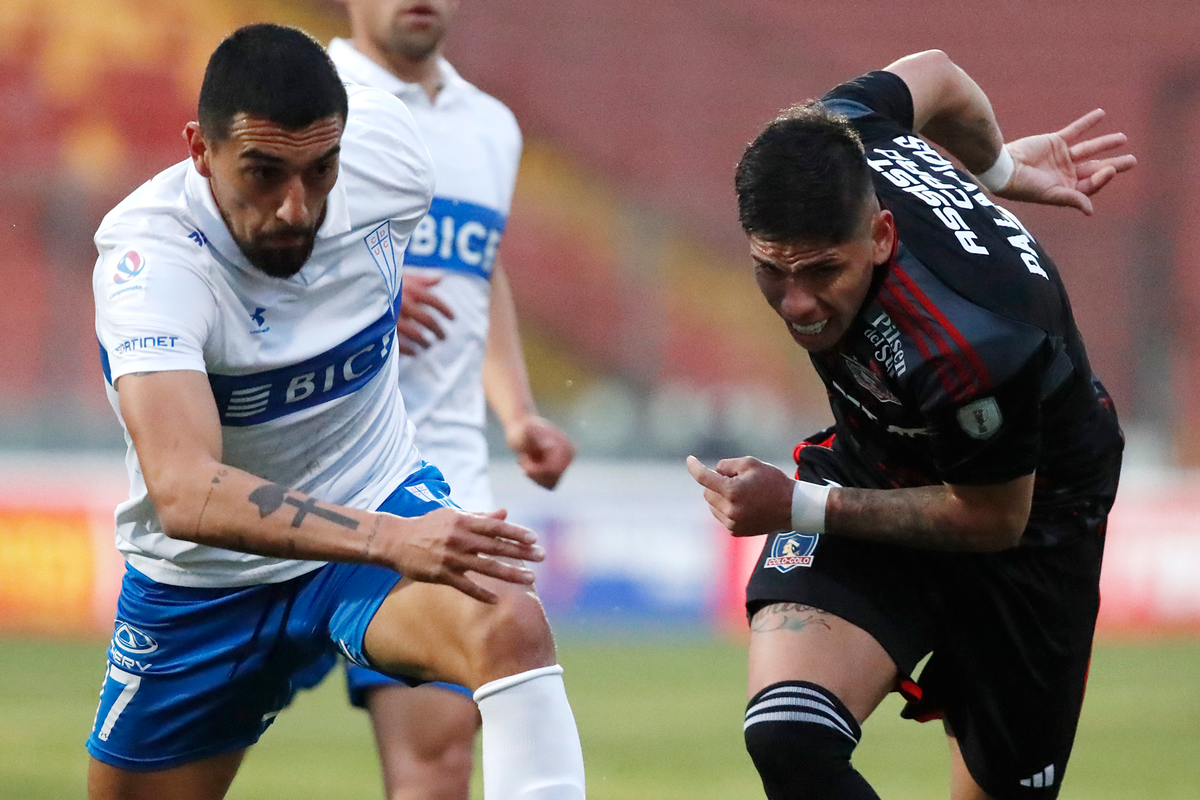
(791, 550)
(129, 267)
(980, 419)
(128, 280)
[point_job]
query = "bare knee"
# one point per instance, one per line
(510, 636)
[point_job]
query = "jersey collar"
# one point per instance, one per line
(355, 67)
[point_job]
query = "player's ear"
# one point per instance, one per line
(198, 148)
(883, 236)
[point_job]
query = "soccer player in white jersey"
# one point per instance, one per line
(458, 336)
(246, 304)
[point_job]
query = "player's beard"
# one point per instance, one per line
(419, 42)
(280, 262)
(418, 47)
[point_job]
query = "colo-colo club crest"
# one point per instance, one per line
(791, 550)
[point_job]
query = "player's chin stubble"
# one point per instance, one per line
(279, 262)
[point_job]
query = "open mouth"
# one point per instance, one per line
(809, 330)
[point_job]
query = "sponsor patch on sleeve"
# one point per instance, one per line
(128, 277)
(981, 419)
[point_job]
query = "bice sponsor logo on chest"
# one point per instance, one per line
(456, 235)
(262, 396)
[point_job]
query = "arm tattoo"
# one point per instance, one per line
(270, 497)
(200, 518)
(371, 537)
(788, 617)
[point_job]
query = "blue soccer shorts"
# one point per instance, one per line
(194, 672)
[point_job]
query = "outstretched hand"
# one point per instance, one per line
(543, 451)
(1062, 168)
(747, 496)
(418, 319)
(445, 544)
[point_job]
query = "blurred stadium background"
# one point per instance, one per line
(646, 340)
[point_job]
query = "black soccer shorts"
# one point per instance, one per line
(1010, 633)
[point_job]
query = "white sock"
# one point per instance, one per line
(530, 744)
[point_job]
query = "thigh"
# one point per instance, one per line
(427, 631)
(876, 588)
(436, 633)
(793, 641)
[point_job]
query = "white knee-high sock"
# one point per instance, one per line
(530, 744)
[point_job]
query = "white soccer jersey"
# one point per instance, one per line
(302, 369)
(476, 146)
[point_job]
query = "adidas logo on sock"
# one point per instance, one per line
(1042, 779)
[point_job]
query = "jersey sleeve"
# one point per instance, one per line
(383, 148)
(877, 100)
(153, 310)
(994, 435)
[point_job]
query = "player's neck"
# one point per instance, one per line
(425, 72)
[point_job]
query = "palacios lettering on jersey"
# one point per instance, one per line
(244, 400)
(456, 235)
(943, 197)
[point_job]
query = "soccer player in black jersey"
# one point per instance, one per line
(957, 507)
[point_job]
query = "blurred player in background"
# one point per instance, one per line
(246, 306)
(458, 333)
(958, 505)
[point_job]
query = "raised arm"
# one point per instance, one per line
(199, 499)
(1062, 168)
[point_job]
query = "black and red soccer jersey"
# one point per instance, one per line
(964, 364)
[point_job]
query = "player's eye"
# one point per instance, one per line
(324, 169)
(824, 272)
(263, 173)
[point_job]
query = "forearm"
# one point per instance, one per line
(750, 498)
(220, 506)
(925, 517)
(505, 378)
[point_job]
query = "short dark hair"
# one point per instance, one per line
(805, 178)
(270, 71)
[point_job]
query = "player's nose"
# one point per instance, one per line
(797, 303)
(294, 207)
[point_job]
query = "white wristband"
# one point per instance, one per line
(808, 507)
(997, 176)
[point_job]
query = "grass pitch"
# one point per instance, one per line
(659, 721)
